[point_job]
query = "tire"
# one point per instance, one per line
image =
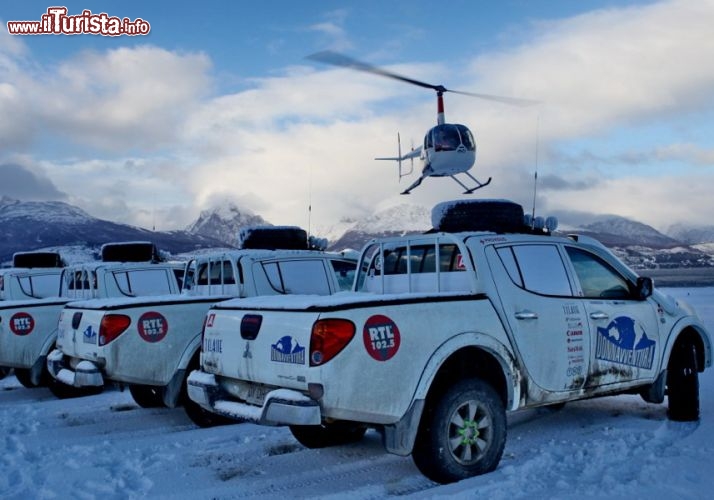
(147, 396)
(462, 433)
(325, 435)
(4, 372)
(500, 216)
(273, 238)
(683, 383)
(24, 376)
(204, 418)
(64, 391)
(199, 415)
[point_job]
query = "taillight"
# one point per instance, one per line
(111, 326)
(328, 338)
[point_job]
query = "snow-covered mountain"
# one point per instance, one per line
(224, 222)
(32, 225)
(394, 221)
(692, 235)
(614, 230)
(40, 225)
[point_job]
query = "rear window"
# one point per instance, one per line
(412, 268)
(345, 272)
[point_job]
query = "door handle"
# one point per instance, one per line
(526, 315)
(599, 315)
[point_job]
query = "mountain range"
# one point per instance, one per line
(30, 225)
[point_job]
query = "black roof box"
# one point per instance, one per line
(37, 259)
(132, 251)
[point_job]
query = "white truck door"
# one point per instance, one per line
(549, 324)
(626, 339)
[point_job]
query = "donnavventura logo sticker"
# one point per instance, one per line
(287, 350)
(625, 342)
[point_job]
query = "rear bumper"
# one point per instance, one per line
(280, 407)
(85, 374)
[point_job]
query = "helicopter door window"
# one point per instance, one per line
(446, 138)
(467, 139)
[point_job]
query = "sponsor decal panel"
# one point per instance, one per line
(625, 342)
(22, 323)
(287, 350)
(152, 326)
(381, 337)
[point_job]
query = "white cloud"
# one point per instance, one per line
(311, 133)
(116, 100)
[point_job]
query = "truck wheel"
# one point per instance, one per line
(64, 391)
(500, 216)
(683, 383)
(24, 376)
(462, 433)
(147, 396)
(332, 434)
(204, 418)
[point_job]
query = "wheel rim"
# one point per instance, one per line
(470, 432)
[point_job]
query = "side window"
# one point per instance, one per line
(45, 285)
(298, 277)
(142, 282)
(597, 278)
(542, 269)
(345, 272)
(509, 262)
(305, 277)
(272, 272)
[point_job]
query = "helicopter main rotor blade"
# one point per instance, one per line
(337, 59)
(516, 101)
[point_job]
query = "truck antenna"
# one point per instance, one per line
(535, 177)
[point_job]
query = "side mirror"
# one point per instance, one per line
(645, 287)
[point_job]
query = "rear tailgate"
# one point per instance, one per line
(265, 347)
(78, 332)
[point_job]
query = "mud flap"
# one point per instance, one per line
(37, 371)
(399, 438)
(172, 392)
(655, 393)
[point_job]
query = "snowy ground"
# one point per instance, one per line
(106, 447)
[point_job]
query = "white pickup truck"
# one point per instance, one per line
(446, 332)
(29, 299)
(28, 327)
(152, 343)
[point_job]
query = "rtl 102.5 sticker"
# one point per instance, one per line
(381, 337)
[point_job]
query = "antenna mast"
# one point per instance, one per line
(535, 177)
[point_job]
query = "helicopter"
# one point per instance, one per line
(448, 148)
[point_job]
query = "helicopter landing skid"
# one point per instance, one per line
(471, 190)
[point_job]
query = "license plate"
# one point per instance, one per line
(256, 394)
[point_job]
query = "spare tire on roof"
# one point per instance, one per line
(37, 259)
(131, 251)
(273, 238)
(498, 216)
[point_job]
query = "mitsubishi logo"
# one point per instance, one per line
(247, 354)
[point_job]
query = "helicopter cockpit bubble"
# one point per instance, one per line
(449, 137)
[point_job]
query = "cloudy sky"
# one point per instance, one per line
(218, 103)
